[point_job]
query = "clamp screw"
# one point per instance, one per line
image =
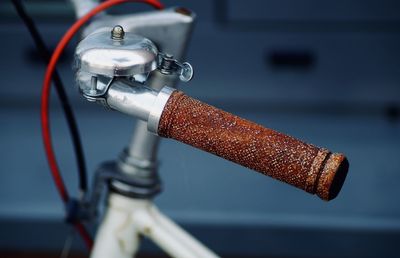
(117, 32)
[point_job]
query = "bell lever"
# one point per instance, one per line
(168, 65)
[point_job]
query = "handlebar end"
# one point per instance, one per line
(332, 176)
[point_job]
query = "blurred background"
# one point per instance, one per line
(327, 72)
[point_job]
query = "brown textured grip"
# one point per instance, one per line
(315, 170)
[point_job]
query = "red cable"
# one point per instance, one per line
(45, 121)
(87, 239)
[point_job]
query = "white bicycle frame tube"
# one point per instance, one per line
(127, 219)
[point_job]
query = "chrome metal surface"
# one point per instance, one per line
(136, 99)
(169, 29)
(117, 33)
(186, 72)
(131, 98)
(143, 144)
(92, 87)
(158, 108)
(137, 167)
(133, 165)
(99, 54)
(168, 65)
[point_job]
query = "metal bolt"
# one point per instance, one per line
(117, 32)
(93, 85)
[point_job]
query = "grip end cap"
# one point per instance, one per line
(332, 176)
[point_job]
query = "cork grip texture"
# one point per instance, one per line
(313, 169)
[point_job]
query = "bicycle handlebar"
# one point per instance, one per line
(315, 170)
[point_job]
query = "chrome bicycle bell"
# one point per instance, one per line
(102, 56)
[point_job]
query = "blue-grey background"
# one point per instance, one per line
(327, 72)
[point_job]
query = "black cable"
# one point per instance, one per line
(62, 96)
